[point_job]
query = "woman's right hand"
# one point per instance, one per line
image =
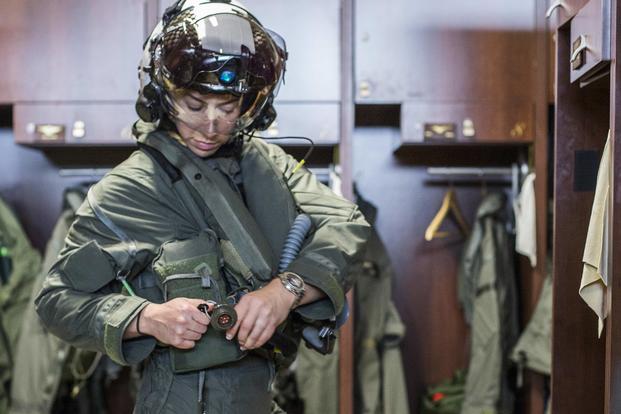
(177, 323)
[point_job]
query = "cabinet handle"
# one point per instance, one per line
(518, 130)
(48, 132)
(582, 45)
(554, 6)
(364, 89)
(79, 129)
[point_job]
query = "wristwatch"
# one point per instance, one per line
(294, 284)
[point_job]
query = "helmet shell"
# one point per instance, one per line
(212, 47)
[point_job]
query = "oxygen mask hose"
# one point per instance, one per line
(293, 244)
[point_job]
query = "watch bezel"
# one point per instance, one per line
(294, 284)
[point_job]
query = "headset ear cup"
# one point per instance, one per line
(265, 118)
(143, 110)
(148, 105)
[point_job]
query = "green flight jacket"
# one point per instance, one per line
(81, 300)
(41, 356)
(14, 295)
(488, 294)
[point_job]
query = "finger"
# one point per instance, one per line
(198, 315)
(266, 335)
(184, 321)
(201, 318)
(183, 343)
(184, 325)
(241, 314)
(189, 309)
(191, 336)
(197, 327)
(196, 302)
(257, 331)
(246, 327)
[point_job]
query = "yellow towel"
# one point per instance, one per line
(596, 250)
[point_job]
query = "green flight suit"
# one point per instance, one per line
(142, 200)
(488, 294)
(41, 356)
(534, 348)
(378, 330)
(14, 295)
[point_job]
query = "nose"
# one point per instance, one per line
(209, 127)
(210, 123)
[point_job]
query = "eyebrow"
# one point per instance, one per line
(233, 99)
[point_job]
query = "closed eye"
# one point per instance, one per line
(229, 106)
(196, 108)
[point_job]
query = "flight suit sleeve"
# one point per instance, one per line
(337, 242)
(81, 300)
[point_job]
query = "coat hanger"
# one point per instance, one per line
(449, 205)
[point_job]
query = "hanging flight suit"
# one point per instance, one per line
(41, 357)
(487, 293)
(378, 330)
(246, 229)
(20, 263)
(534, 348)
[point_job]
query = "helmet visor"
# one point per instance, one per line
(208, 55)
(209, 114)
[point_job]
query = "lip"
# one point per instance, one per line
(205, 146)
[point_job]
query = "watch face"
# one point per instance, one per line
(295, 281)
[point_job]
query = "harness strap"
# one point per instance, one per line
(229, 216)
(231, 255)
(176, 177)
(131, 245)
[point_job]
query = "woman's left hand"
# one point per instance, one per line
(259, 313)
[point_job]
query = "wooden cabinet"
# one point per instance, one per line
(72, 50)
(560, 11)
(470, 64)
(73, 124)
(444, 51)
(585, 368)
(590, 40)
(71, 69)
(469, 122)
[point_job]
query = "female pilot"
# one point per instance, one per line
(198, 216)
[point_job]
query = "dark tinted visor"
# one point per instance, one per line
(213, 51)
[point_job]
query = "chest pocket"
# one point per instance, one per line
(192, 268)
